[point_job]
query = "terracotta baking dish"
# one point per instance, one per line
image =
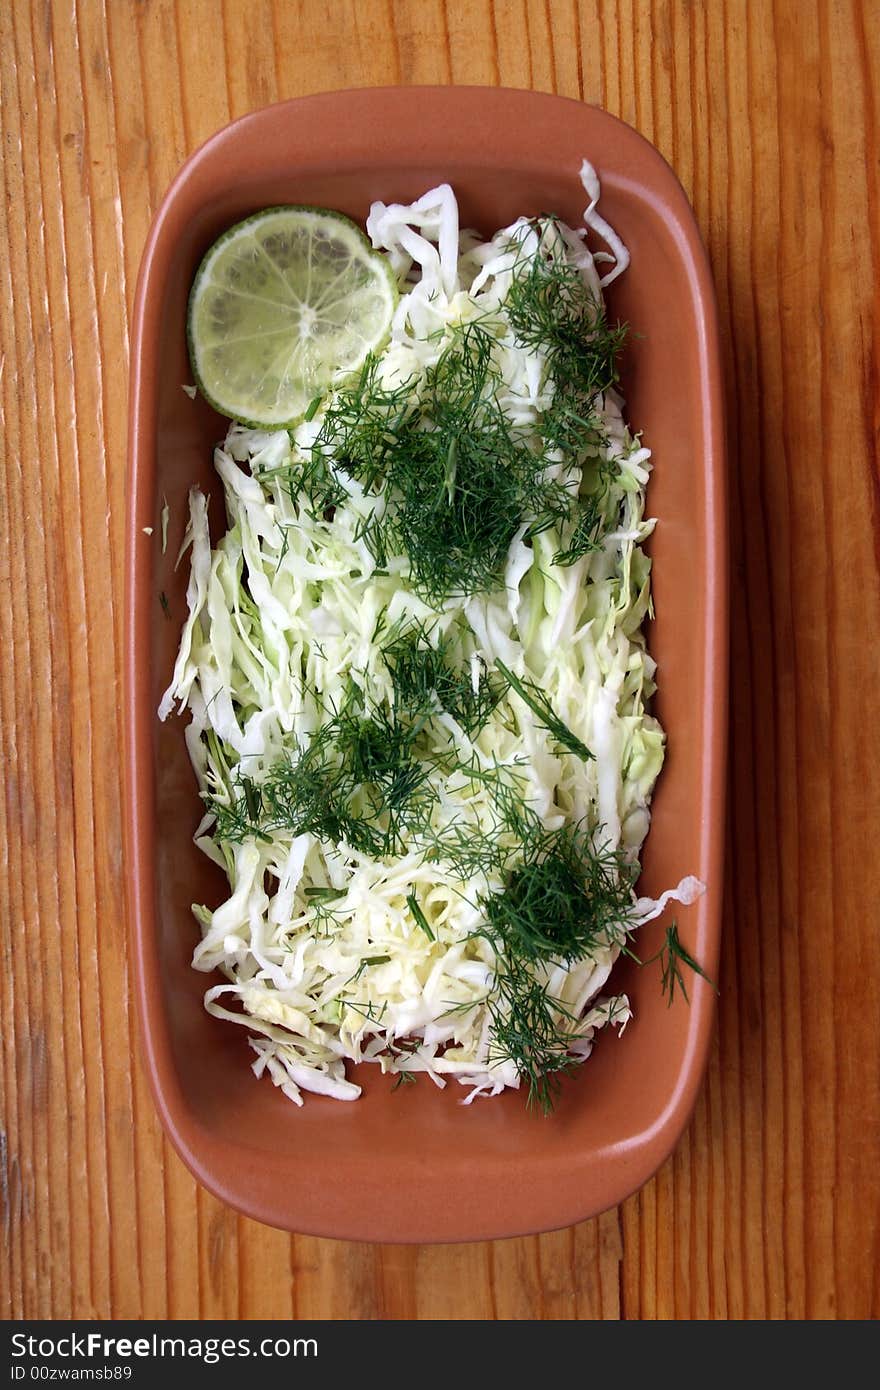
(417, 1165)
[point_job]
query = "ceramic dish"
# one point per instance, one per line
(416, 1165)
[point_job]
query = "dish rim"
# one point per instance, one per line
(645, 1152)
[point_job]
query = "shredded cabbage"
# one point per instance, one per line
(324, 961)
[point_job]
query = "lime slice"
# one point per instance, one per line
(284, 305)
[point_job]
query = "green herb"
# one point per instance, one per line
(285, 546)
(367, 961)
(380, 624)
(550, 307)
(458, 479)
(366, 1011)
(564, 901)
(425, 679)
(672, 955)
(378, 757)
(252, 798)
(532, 1029)
(586, 536)
(321, 902)
(419, 915)
(163, 599)
(404, 1078)
(309, 482)
(305, 793)
(362, 424)
(357, 782)
(467, 852)
(543, 710)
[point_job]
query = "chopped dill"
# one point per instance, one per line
(672, 955)
(366, 1011)
(163, 599)
(542, 709)
(308, 481)
(530, 1027)
(304, 793)
(586, 536)
(380, 625)
(357, 782)
(564, 901)
(404, 1078)
(378, 759)
(365, 963)
(457, 477)
(424, 679)
(362, 425)
(550, 306)
(418, 914)
(466, 853)
(285, 546)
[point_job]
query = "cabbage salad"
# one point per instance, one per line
(417, 681)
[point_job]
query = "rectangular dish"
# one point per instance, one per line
(415, 1164)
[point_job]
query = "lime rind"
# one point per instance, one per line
(284, 306)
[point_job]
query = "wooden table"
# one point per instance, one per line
(769, 1207)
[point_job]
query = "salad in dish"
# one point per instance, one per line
(414, 665)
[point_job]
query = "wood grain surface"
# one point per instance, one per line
(769, 1207)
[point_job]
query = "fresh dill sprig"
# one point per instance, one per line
(362, 425)
(458, 479)
(238, 810)
(467, 852)
(586, 536)
(529, 1027)
(377, 752)
(367, 1011)
(404, 1078)
(563, 901)
(365, 963)
(672, 955)
(309, 482)
(462, 485)
(418, 914)
(357, 782)
(542, 709)
(313, 793)
(322, 902)
(285, 546)
(464, 851)
(550, 306)
(425, 679)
